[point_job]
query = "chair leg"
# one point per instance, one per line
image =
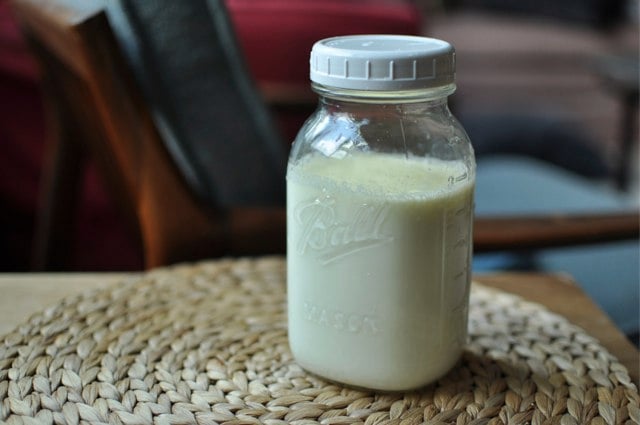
(61, 184)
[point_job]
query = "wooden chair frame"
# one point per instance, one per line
(97, 109)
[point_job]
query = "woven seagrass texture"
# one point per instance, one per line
(206, 343)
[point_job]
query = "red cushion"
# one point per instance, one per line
(277, 35)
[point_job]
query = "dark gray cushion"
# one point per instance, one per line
(213, 122)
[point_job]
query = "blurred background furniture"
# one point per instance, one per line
(534, 78)
(197, 135)
(137, 127)
(157, 159)
(550, 133)
(100, 240)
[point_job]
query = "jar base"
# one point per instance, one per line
(389, 387)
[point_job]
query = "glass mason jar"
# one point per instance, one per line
(380, 188)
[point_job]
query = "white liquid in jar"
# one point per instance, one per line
(378, 271)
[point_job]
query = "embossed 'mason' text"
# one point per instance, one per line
(341, 321)
(321, 231)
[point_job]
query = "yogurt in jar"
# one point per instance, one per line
(379, 249)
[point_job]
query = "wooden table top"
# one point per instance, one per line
(22, 295)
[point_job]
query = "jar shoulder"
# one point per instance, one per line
(428, 132)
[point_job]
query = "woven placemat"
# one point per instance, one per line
(206, 343)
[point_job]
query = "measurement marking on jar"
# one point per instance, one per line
(459, 276)
(461, 211)
(460, 243)
(457, 179)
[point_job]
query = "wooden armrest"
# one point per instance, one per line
(263, 229)
(533, 232)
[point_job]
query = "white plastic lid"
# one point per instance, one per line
(382, 62)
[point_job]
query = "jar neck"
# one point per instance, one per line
(337, 95)
(363, 104)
